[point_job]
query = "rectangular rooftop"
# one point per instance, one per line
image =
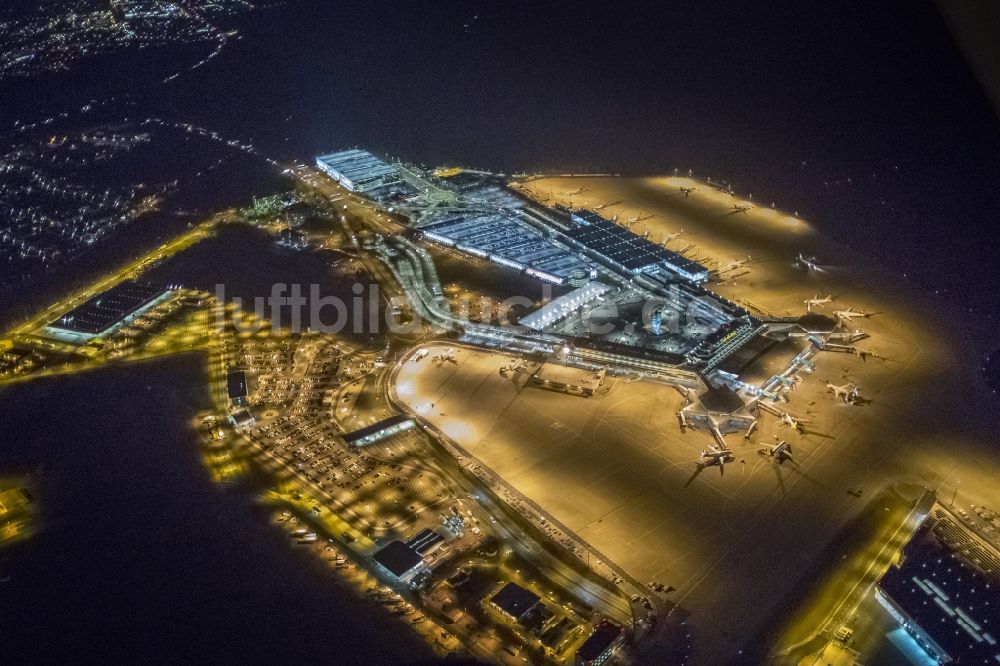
(358, 170)
(380, 430)
(515, 601)
(627, 250)
(949, 600)
(102, 312)
(507, 240)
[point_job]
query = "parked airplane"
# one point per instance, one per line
(687, 190)
(849, 393)
(787, 382)
(816, 302)
(448, 355)
(514, 365)
(669, 237)
(716, 455)
(780, 451)
(792, 422)
(863, 354)
(734, 264)
(809, 263)
(850, 314)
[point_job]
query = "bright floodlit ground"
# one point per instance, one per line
(616, 468)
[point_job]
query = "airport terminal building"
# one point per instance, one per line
(627, 251)
(565, 306)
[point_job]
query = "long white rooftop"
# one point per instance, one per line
(564, 306)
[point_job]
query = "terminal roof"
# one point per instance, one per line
(814, 322)
(621, 245)
(723, 400)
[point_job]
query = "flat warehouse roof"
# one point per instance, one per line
(515, 600)
(951, 600)
(355, 163)
(110, 307)
(398, 558)
(605, 633)
(236, 382)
